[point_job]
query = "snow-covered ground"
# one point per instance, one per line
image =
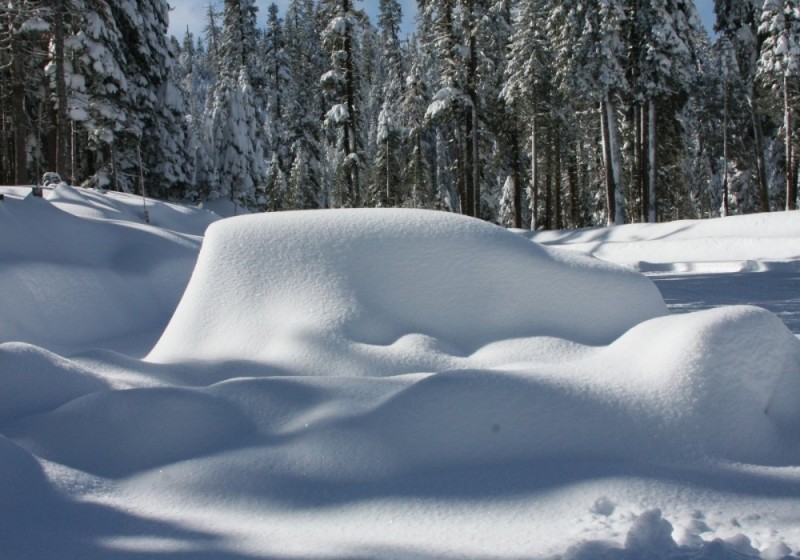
(393, 384)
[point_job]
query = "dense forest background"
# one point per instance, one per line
(528, 113)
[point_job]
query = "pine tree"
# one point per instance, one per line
(737, 22)
(591, 66)
(665, 72)
(279, 88)
(236, 120)
(305, 114)
(417, 173)
(386, 177)
(528, 84)
(342, 85)
(778, 68)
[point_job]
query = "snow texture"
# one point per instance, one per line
(385, 384)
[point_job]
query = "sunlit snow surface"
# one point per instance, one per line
(391, 384)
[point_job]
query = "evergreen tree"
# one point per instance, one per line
(529, 82)
(665, 72)
(416, 176)
(778, 68)
(737, 22)
(342, 85)
(278, 87)
(305, 114)
(236, 119)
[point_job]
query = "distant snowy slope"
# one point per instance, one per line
(79, 267)
(90, 203)
(729, 244)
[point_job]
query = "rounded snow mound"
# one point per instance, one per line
(303, 290)
(115, 433)
(33, 380)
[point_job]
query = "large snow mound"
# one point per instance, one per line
(318, 292)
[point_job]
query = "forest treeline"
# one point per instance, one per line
(528, 113)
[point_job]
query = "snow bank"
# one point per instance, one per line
(69, 281)
(734, 244)
(380, 384)
(317, 292)
(105, 205)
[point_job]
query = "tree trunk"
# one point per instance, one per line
(643, 162)
(557, 183)
(758, 140)
(725, 153)
(651, 161)
(611, 185)
(517, 173)
(18, 114)
(791, 188)
(572, 187)
(534, 177)
(548, 184)
(62, 128)
(469, 174)
(351, 143)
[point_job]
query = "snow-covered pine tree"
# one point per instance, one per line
(416, 176)
(529, 80)
(98, 96)
(737, 23)
(388, 162)
(342, 84)
(153, 145)
(496, 153)
(306, 62)
(279, 88)
(236, 120)
(778, 69)
(23, 38)
(449, 105)
(590, 64)
(665, 71)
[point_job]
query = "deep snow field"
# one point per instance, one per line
(393, 384)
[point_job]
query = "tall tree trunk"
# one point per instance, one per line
(644, 190)
(548, 183)
(610, 176)
(19, 116)
(351, 143)
(758, 141)
(534, 176)
(473, 169)
(62, 128)
(725, 153)
(791, 187)
(469, 174)
(652, 209)
(572, 186)
(557, 183)
(517, 173)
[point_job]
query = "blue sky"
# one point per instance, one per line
(191, 13)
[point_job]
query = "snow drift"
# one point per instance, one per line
(379, 384)
(79, 257)
(696, 246)
(315, 292)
